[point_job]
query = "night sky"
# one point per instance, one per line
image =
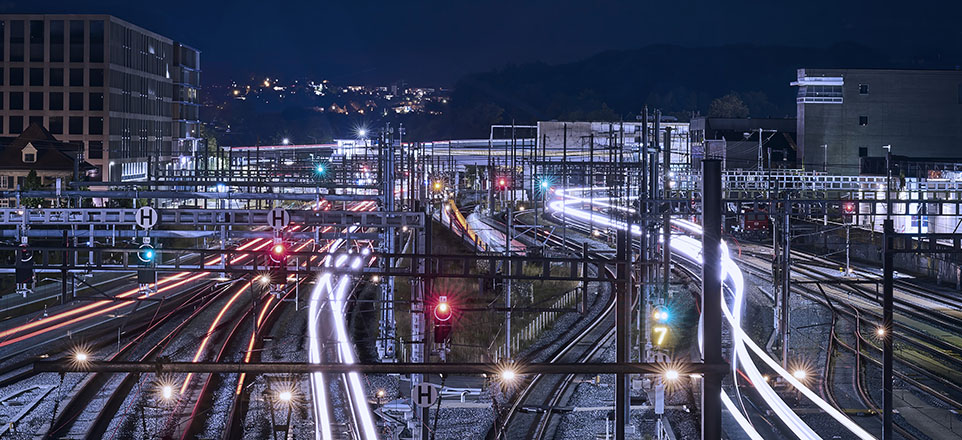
(436, 42)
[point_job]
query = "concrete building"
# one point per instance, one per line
(126, 94)
(845, 114)
(736, 142)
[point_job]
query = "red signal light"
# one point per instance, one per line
(848, 207)
(442, 311)
(278, 252)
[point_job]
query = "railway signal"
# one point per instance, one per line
(278, 252)
(442, 317)
(147, 256)
(24, 265)
(659, 331)
(849, 209)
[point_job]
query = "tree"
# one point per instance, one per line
(728, 106)
(32, 183)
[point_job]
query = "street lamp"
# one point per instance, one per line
(286, 141)
(671, 375)
(284, 396)
(880, 331)
(167, 392)
(508, 375)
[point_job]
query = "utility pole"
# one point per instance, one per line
(622, 330)
(665, 195)
(887, 327)
(386, 345)
(711, 298)
(786, 280)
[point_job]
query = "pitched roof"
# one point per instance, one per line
(52, 155)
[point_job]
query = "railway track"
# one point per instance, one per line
(856, 318)
(69, 421)
(531, 414)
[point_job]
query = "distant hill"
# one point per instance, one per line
(680, 80)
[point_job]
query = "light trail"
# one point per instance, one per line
(113, 306)
(691, 248)
(325, 292)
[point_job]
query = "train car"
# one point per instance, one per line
(754, 220)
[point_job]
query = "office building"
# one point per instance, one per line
(126, 94)
(845, 114)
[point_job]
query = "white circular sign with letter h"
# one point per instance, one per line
(146, 217)
(424, 394)
(278, 218)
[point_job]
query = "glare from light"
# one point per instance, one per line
(800, 374)
(671, 375)
(285, 141)
(167, 392)
(880, 331)
(284, 396)
(362, 132)
(508, 375)
(81, 357)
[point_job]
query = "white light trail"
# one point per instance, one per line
(691, 248)
(335, 294)
(322, 419)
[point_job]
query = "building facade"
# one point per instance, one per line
(36, 150)
(126, 94)
(844, 114)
